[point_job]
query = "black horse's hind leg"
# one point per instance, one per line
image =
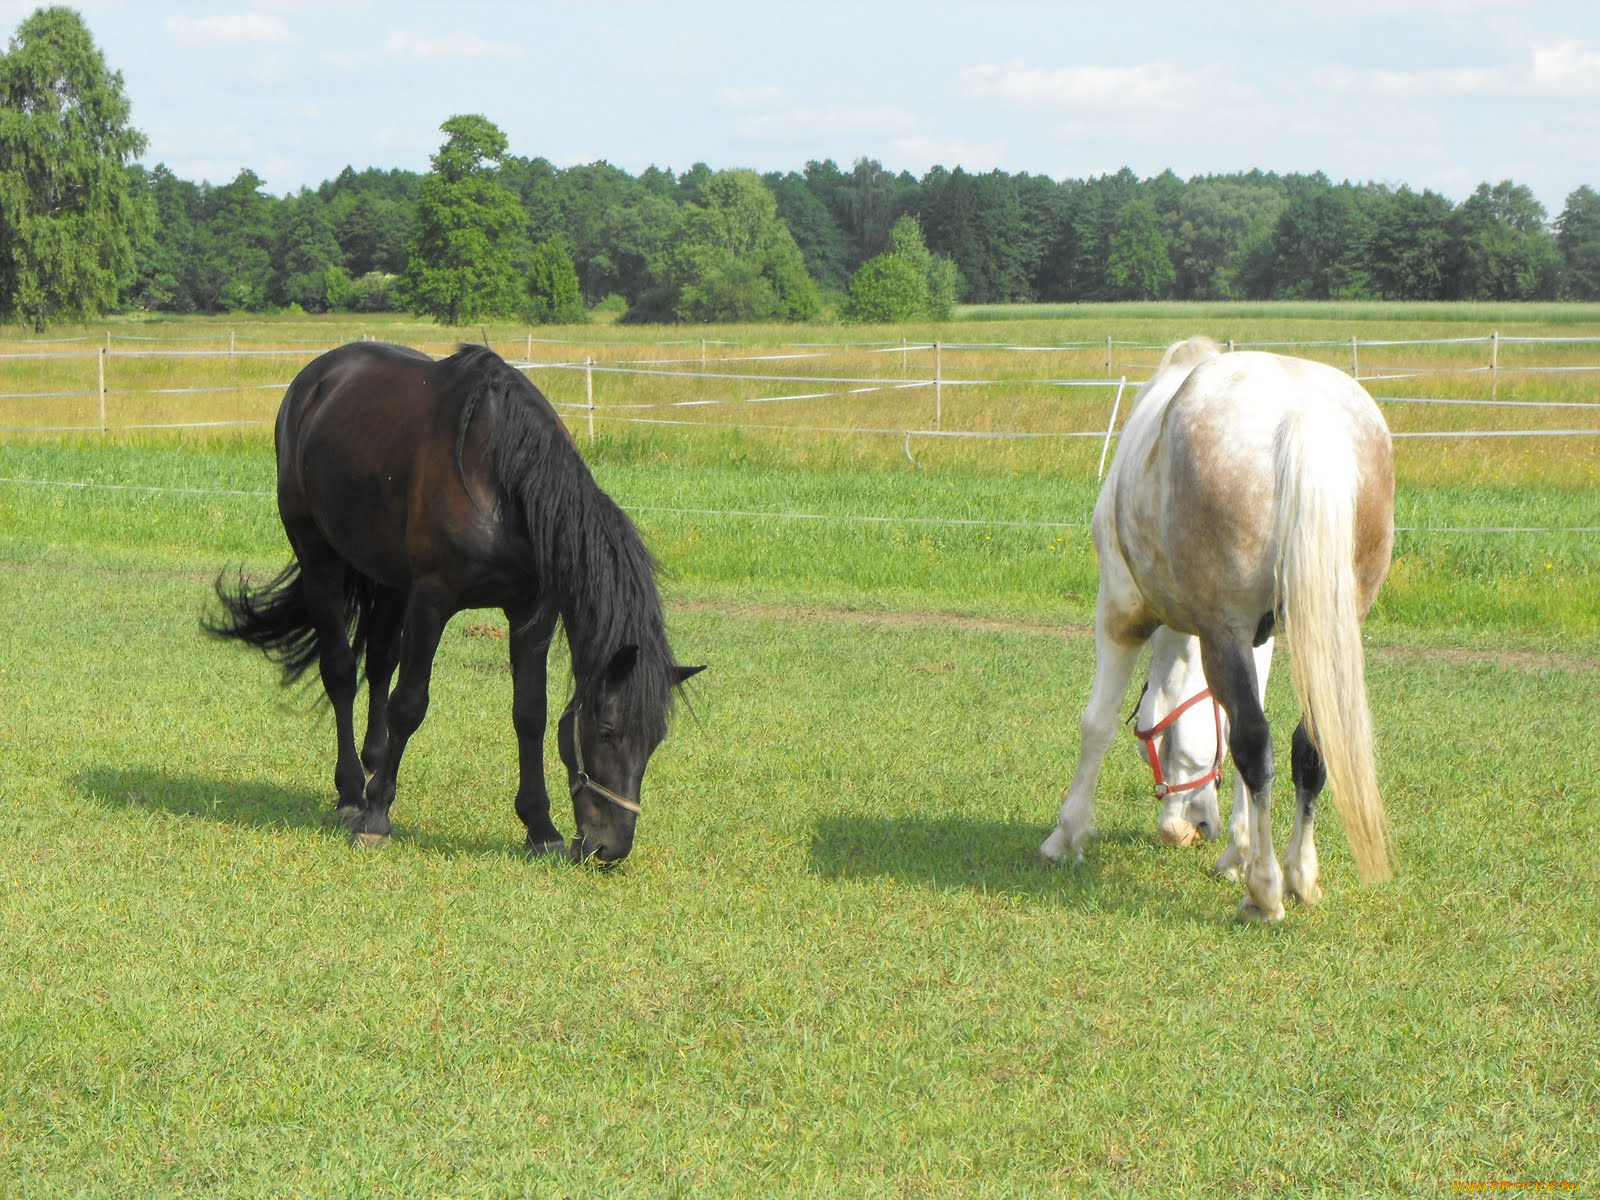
(322, 578)
(383, 652)
(530, 649)
(1231, 671)
(1300, 860)
(419, 640)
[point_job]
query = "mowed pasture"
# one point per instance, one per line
(832, 965)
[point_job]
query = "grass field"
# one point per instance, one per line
(831, 967)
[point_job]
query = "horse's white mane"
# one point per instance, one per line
(1188, 353)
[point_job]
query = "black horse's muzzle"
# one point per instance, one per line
(607, 836)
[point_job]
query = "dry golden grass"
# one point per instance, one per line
(1023, 395)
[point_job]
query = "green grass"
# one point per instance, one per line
(831, 966)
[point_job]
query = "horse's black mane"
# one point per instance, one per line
(600, 576)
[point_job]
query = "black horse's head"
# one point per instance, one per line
(606, 738)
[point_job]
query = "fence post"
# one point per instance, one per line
(1108, 358)
(938, 385)
(588, 392)
(230, 343)
(1355, 359)
(1111, 425)
(102, 388)
(1494, 365)
(527, 354)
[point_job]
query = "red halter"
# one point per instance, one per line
(1149, 736)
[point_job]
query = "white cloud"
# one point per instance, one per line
(231, 29)
(1147, 85)
(408, 43)
(1567, 67)
(1406, 85)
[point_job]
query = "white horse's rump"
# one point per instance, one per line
(1249, 490)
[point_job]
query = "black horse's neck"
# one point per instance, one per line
(596, 570)
(605, 592)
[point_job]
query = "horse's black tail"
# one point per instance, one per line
(274, 617)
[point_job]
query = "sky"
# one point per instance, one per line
(1440, 94)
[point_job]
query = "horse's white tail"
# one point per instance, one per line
(1316, 479)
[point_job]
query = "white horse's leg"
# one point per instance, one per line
(1113, 667)
(1232, 673)
(1187, 748)
(1300, 862)
(1231, 864)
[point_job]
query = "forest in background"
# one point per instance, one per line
(87, 228)
(1012, 238)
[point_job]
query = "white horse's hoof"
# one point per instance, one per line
(1230, 865)
(1307, 891)
(1047, 858)
(1252, 913)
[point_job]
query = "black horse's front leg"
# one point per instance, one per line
(530, 649)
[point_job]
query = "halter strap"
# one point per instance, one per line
(1149, 736)
(580, 777)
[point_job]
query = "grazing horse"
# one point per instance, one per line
(412, 489)
(1249, 490)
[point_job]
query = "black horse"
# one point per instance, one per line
(412, 489)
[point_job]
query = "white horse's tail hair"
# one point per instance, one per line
(1315, 479)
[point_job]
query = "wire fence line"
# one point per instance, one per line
(767, 515)
(697, 368)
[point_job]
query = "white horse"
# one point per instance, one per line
(1248, 490)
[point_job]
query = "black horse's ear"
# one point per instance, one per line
(681, 674)
(621, 664)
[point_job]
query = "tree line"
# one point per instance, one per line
(487, 233)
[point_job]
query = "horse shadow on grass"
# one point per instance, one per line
(249, 804)
(1121, 873)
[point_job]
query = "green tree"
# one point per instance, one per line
(977, 221)
(165, 255)
(1320, 246)
(616, 229)
(887, 289)
(864, 203)
(304, 252)
(1578, 241)
(1505, 251)
(906, 282)
(1208, 235)
(554, 296)
(734, 259)
(1410, 244)
(372, 230)
(70, 214)
(1139, 266)
(815, 231)
(233, 246)
(463, 259)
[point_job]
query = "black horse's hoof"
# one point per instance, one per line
(551, 849)
(369, 830)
